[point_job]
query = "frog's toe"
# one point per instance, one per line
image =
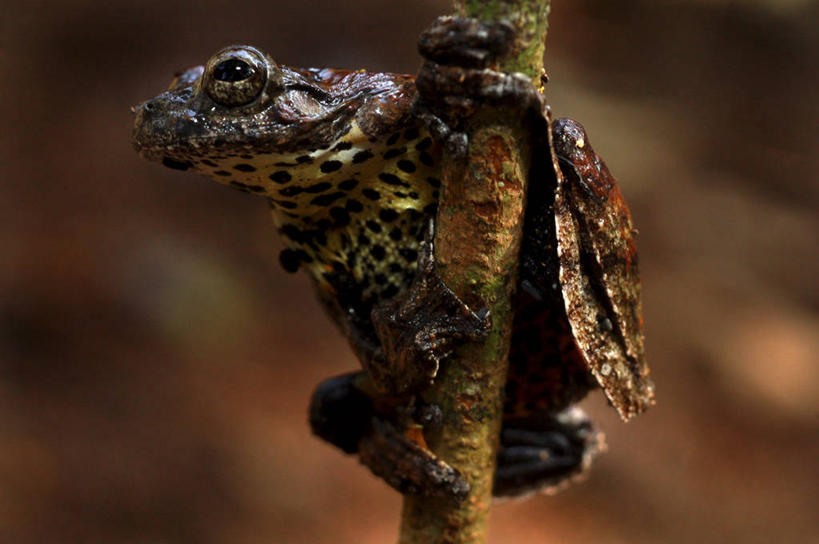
(340, 412)
(423, 326)
(408, 466)
(466, 42)
(344, 415)
(545, 453)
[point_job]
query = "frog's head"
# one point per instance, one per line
(240, 104)
(576, 155)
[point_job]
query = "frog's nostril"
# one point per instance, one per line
(149, 106)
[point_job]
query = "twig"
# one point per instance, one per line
(477, 241)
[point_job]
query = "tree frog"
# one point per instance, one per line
(349, 163)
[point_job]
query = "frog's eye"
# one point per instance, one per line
(235, 76)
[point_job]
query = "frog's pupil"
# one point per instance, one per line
(231, 70)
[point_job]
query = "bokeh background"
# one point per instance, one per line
(156, 363)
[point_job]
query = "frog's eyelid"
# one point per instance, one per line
(314, 92)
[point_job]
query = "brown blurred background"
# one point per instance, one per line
(156, 363)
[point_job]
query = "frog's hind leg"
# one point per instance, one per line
(340, 412)
(545, 452)
(343, 412)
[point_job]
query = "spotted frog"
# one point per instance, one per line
(349, 163)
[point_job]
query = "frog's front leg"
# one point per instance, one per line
(421, 327)
(375, 413)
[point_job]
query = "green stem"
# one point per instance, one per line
(477, 241)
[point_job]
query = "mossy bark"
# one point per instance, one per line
(477, 241)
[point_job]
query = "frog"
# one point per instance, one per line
(350, 164)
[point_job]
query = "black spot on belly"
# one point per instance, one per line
(363, 240)
(392, 139)
(290, 260)
(348, 184)
(380, 279)
(373, 226)
(291, 191)
(340, 215)
(362, 156)
(372, 194)
(176, 165)
(317, 187)
(209, 163)
(390, 179)
(388, 215)
(378, 252)
(242, 167)
(409, 255)
(354, 206)
(411, 134)
(392, 153)
(286, 204)
(435, 182)
(390, 291)
(281, 176)
(396, 234)
(294, 233)
(301, 159)
(222, 173)
(406, 166)
(343, 146)
(426, 158)
(423, 144)
(330, 166)
(326, 200)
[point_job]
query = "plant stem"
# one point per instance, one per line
(477, 241)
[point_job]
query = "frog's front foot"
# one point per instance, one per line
(344, 415)
(458, 76)
(421, 327)
(545, 452)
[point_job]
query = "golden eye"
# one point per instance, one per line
(235, 76)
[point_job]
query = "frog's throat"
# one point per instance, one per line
(354, 207)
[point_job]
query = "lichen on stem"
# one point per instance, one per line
(477, 241)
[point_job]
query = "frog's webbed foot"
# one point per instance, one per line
(457, 76)
(545, 452)
(344, 415)
(421, 327)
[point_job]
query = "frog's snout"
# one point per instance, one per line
(162, 129)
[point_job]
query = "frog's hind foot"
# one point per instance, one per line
(342, 413)
(545, 453)
(407, 466)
